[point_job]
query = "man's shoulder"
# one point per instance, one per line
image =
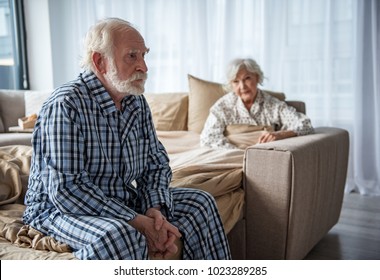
(83, 85)
(68, 93)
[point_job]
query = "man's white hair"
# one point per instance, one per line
(99, 39)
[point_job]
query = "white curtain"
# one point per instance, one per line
(324, 52)
(365, 137)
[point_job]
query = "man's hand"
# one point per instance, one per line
(161, 235)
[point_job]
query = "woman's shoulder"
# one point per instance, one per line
(229, 99)
(224, 104)
(270, 100)
(269, 96)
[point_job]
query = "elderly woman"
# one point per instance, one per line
(247, 104)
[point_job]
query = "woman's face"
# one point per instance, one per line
(245, 86)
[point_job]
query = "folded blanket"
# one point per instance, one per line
(245, 135)
(219, 172)
(13, 230)
(14, 173)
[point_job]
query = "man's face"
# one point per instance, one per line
(126, 70)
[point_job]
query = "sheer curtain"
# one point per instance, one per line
(324, 52)
(365, 169)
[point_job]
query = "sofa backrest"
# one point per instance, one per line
(15, 104)
(11, 108)
(195, 109)
(300, 106)
(171, 110)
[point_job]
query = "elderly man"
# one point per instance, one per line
(99, 178)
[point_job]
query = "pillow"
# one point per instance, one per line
(202, 95)
(34, 100)
(11, 107)
(169, 110)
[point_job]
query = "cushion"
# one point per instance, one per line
(34, 100)
(169, 110)
(11, 107)
(202, 95)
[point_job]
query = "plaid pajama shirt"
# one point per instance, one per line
(94, 168)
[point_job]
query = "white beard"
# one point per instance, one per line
(125, 86)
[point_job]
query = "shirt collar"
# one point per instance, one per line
(101, 95)
(259, 97)
(258, 101)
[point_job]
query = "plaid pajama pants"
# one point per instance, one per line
(195, 214)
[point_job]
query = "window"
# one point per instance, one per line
(320, 58)
(13, 60)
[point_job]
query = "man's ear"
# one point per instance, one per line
(99, 62)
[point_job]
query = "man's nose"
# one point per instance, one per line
(142, 66)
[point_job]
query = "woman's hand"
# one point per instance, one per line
(275, 135)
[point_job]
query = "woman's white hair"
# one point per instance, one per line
(99, 39)
(235, 65)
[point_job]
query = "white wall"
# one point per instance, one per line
(37, 21)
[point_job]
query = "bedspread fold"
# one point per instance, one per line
(217, 171)
(13, 229)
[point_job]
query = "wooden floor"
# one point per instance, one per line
(356, 236)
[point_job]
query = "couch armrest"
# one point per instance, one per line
(294, 192)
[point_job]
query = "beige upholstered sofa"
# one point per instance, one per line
(292, 190)
(15, 104)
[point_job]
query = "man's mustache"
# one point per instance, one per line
(138, 76)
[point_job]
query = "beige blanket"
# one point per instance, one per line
(243, 136)
(218, 172)
(14, 173)
(31, 244)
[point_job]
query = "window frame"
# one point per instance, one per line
(18, 72)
